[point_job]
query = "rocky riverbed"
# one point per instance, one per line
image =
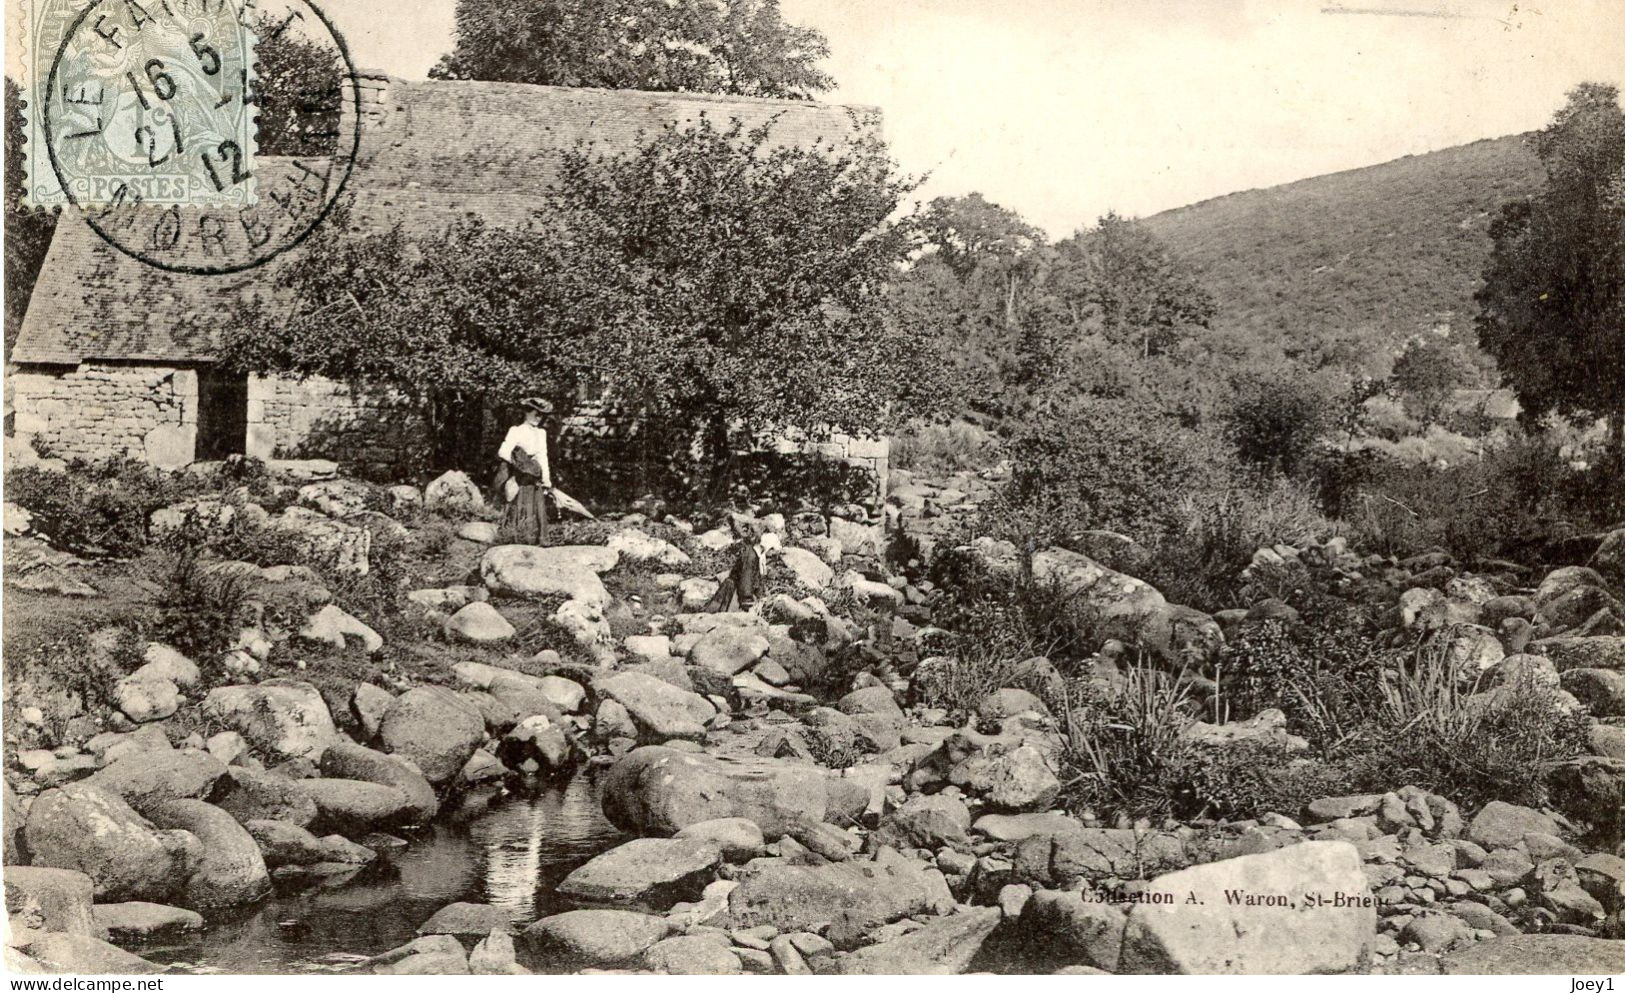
(768, 804)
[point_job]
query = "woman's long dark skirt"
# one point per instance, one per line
(525, 522)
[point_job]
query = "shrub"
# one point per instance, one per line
(95, 509)
(1126, 751)
(944, 448)
(1277, 417)
(201, 609)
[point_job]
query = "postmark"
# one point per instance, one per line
(309, 138)
(141, 101)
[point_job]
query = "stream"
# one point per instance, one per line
(511, 854)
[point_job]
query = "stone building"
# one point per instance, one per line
(105, 363)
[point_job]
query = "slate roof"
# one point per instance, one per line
(432, 152)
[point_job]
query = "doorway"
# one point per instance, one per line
(222, 414)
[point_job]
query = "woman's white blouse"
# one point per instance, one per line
(534, 441)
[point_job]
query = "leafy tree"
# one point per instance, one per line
(1122, 279)
(1427, 375)
(28, 232)
(1277, 416)
(1552, 309)
(742, 47)
(298, 88)
(705, 278)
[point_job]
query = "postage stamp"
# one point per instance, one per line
(139, 102)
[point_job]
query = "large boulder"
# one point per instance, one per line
(1504, 825)
(925, 822)
(728, 650)
(137, 921)
(453, 491)
(479, 623)
(595, 937)
(435, 728)
(570, 571)
(1609, 560)
(662, 712)
(93, 831)
(347, 760)
(344, 548)
(1315, 891)
(147, 779)
(45, 899)
(1061, 928)
(1018, 779)
(283, 718)
(633, 545)
(810, 570)
(644, 870)
(250, 795)
(944, 947)
(230, 870)
(83, 954)
(1066, 858)
(660, 791)
(852, 897)
(353, 806)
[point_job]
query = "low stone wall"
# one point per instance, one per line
(103, 411)
(368, 431)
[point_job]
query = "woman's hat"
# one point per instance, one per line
(537, 404)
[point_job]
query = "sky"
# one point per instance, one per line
(1064, 109)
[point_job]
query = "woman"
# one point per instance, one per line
(526, 482)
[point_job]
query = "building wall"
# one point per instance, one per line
(100, 411)
(372, 432)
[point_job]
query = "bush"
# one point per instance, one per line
(1277, 417)
(944, 448)
(1126, 751)
(95, 509)
(202, 610)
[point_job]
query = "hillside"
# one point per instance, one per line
(1368, 256)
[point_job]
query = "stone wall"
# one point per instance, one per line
(101, 411)
(368, 431)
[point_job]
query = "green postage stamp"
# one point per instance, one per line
(138, 102)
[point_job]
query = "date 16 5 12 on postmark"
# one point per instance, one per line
(140, 101)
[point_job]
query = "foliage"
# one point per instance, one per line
(1276, 417)
(202, 610)
(1552, 309)
(1426, 376)
(298, 88)
(28, 232)
(95, 509)
(750, 301)
(1326, 682)
(742, 47)
(960, 445)
(1126, 749)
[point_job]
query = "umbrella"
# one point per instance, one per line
(567, 502)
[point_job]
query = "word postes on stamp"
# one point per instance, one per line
(141, 102)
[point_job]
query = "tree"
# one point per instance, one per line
(1121, 278)
(1427, 375)
(28, 232)
(704, 278)
(742, 47)
(298, 88)
(1552, 309)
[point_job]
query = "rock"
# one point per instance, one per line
(632, 545)
(868, 590)
(1597, 652)
(1000, 704)
(146, 779)
(467, 920)
(249, 796)
(660, 791)
(738, 838)
(728, 650)
(661, 711)
(494, 956)
(1609, 559)
(1537, 954)
(565, 694)
(1019, 827)
(430, 955)
(1224, 937)
(40, 898)
(453, 491)
(856, 896)
(870, 700)
(336, 628)
(1020, 779)
(596, 937)
(1266, 729)
(230, 870)
(824, 840)
(353, 806)
(810, 570)
(370, 703)
(95, 832)
(1060, 927)
(645, 869)
(1473, 650)
(1436, 932)
(1503, 825)
(136, 921)
(589, 627)
(696, 592)
(284, 718)
(282, 843)
(925, 822)
(1065, 859)
(146, 698)
(944, 947)
(568, 570)
(479, 624)
(856, 539)
(537, 744)
(346, 760)
(344, 548)
(435, 729)
(11, 821)
(1602, 691)
(82, 954)
(692, 955)
(479, 532)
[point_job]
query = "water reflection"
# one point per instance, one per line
(512, 854)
